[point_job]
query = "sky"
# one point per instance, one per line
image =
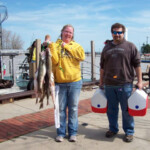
(91, 19)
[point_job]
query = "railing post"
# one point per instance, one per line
(1, 58)
(13, 72)
(33, 66)
(38, 50)
(92, 61)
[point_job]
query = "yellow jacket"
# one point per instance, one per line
(66, 61)
(34, 55)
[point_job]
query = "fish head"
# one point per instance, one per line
(48, 52)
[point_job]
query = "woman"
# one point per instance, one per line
(32, 59)
(32, 52)
(66, 57)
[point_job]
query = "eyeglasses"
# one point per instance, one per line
(117, 32)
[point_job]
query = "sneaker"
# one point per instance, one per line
(110, 134)
(128, 138)
(59, 139)
(73, 138)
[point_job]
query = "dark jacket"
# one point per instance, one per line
(118, 62)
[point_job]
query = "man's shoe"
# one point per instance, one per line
(59, 139)
(73, 138)
(128, 138)
(110, 134)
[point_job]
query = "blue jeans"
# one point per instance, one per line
(116, 95)
(69, 97)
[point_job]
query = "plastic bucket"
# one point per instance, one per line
(138, 103)
(99, 102)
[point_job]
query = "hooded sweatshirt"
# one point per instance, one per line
(66, 61)
(118, 62)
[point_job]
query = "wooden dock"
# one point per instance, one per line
(7, 98)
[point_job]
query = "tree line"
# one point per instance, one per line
(145, 48)
(11, 40)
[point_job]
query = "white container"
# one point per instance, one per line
(138, 103)
(99, 102)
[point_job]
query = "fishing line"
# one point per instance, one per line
(90, 63)
(89, 73)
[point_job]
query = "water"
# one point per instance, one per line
(18, 73)
(85, 66)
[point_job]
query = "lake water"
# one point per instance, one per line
(85, 65)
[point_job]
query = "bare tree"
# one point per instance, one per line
(11, 40)
(6, 37)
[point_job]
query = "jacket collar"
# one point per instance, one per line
(59, 41)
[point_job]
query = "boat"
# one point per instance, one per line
(5, 84)
(145, 58)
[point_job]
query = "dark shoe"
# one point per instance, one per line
(110, 134)
(128, 138)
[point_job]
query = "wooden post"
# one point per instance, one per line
(92, 61)
(1, 67)
(33, 66)
(38, 50)
(13, 73)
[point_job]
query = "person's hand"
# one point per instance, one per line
(49, 42)
(139, 85)
(63, 44)
(101, 86)
(46, 42)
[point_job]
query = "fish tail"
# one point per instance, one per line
(47, 102)
(36, 100)
(41, 106)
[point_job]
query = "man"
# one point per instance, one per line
(119, 60)
(46, 42)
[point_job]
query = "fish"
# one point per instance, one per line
(39, 77)
(44, 79)
(36, 86)
(41, 72)
(48, 73)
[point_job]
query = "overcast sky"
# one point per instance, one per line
(92, 19)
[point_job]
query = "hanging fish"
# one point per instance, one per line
(44, 81)
(48, 73)
(39, 77)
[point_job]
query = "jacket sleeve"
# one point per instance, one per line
(54, 53)
(135, 58)
(76, 51)
(102, 60)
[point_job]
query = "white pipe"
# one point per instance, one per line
(126, 34)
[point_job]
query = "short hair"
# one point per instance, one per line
(118, 25)
(68, 25)
(47, 36)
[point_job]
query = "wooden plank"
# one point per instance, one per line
(96, 82)
(93, 78)
(7, 101)
(16, 95)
